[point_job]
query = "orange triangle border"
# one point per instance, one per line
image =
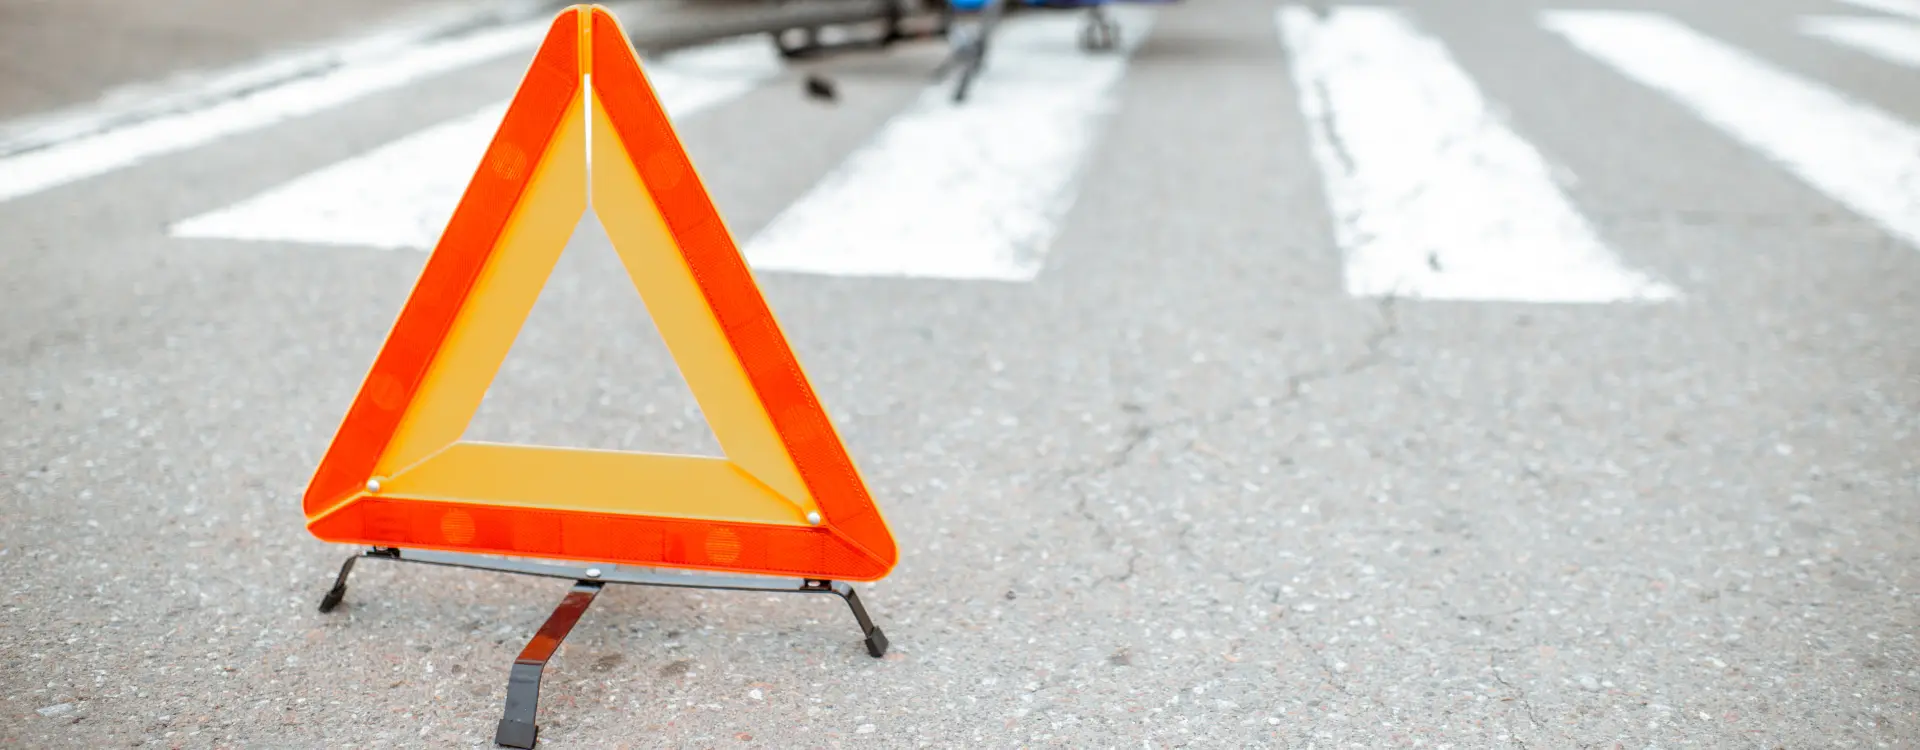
(852, 542)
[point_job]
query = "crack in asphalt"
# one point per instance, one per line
(1330, 128)
(1485, 619)
(1319, 661)
(1140, 432)
(1520, 697)
(1374, 343)
(1133, 562)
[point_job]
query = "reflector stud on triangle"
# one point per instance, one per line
(786, 499)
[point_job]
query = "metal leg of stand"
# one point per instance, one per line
(339, 590)
(517, 728)
(876, 639)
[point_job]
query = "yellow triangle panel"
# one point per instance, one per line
(785, 500)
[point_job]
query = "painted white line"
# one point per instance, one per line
(196, 89)
(968, 191)
(1863, 158)
(1897, 42)
(1433, 197)
(34, 171)
(400, 195)
(1908, 8)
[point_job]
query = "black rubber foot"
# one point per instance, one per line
(332, 599)
(515, 734)
(877, 643)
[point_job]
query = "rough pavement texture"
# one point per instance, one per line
(59, 53)
(1179, 491)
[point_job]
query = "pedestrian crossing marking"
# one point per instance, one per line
(1908, 8)
(1861, 157)
(400, 195)
(120, 147)
(968, 191)
(1894, 41)
(1433, 197)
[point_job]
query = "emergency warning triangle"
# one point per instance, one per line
(786, 499)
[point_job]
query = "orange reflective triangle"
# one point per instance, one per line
(785, 500)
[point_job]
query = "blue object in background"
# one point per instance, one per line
(968, 6)
(974, 5)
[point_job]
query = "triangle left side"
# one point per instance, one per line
(477, 287)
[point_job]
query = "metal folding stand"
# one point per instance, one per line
(517, 728)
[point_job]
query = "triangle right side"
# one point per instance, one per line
(723, 335)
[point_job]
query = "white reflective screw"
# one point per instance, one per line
(373, 485)
(813, 517)
(593, 572)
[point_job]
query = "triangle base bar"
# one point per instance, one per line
(517, 727)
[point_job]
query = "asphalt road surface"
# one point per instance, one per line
(1478, 374)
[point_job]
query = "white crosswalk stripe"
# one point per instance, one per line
(1892, 40)
(1908, 8)
(973, 191)
(1433, 196)
(117, 148)
(400, 195)
(1431, 193)
(1856, 154)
